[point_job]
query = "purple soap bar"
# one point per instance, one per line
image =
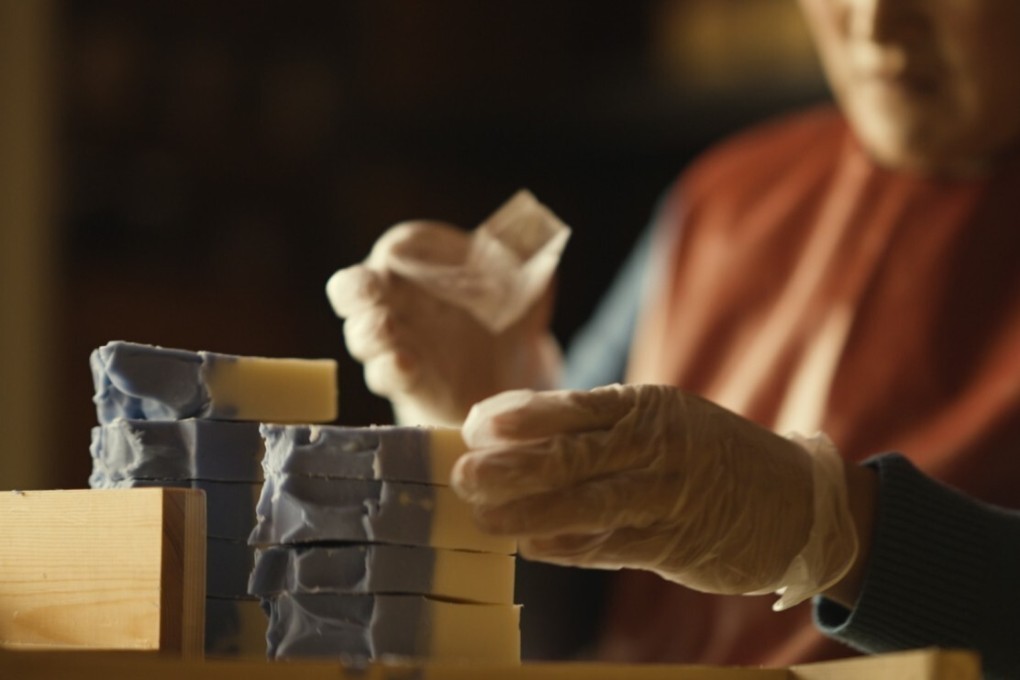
(183, 449)
(342, 569)
(390, 453)
(384, 569)
(147, 383)
(294, 509)
(377, 626)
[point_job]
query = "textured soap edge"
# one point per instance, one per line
(189, 449)
(375, 626)
(389, 453)
(295, 509)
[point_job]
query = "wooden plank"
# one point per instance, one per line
(925, 664)
(103, 569)
(182, 582)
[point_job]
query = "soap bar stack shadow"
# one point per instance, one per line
(176, 418)
(365, 552)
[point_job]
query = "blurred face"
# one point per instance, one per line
(928, 85)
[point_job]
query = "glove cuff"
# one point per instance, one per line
(832, 546)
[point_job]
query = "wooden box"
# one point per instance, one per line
(103, 569)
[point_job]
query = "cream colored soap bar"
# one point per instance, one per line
(403, 454)
(384, 569)
(376, 626)
(303, 509)
(156, 383)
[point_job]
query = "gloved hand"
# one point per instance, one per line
(650, 477)
(433, 359)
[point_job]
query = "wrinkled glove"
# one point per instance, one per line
(442, 319)
(650, 477)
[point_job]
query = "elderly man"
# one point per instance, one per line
(850, 271)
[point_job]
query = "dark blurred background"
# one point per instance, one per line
(202, 168)
(190, 173)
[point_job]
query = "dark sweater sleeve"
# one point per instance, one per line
(944, 571)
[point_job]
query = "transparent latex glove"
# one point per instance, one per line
(430, 356)
(650, 477)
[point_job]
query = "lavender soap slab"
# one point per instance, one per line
(391, 453)
(182, 449)
(384, 569)
(376, 626)
(299, 509)
(146, 382)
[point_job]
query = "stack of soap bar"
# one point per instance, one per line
(366, 552)
(175, 418)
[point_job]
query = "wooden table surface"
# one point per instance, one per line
(28, 665)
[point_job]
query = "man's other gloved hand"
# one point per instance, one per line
(650, 477)
(430, 358)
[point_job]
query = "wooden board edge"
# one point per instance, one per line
(183, 565)
(589, 670)
(919, 664)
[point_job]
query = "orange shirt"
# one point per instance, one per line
(803, 286)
